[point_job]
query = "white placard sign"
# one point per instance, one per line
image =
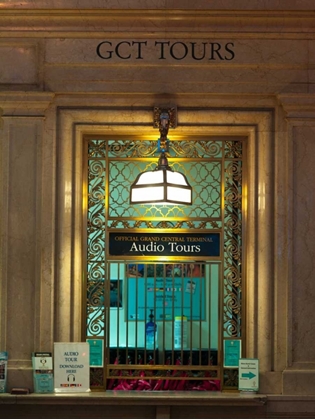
(248, 375)
(72, 367)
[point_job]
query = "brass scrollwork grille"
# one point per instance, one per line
(214, 168)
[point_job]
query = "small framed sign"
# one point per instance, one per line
(248, 375)
(72, 367)
(96, 352)
(232, 353)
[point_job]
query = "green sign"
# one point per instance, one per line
(248, 375)
(232, 353)
(96, 352)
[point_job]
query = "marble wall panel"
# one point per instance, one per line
(311, 52)
(174, 80)
(22, 218)
(303, 285)
(311, 67)
(26, 274)
(299, 382)
(20, 66)
(256, 66)
(168, 51)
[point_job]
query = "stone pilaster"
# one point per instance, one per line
(299, 377)
(26, 243)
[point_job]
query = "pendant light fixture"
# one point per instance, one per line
(162, 185)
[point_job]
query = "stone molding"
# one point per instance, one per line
(298, 106)
(162, 4)
(151, 23)
(22, 104)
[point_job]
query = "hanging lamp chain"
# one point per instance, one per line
(163, 119)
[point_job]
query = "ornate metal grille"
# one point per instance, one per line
(214, 169)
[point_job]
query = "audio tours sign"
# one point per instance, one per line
(164, 244)
(72, 367)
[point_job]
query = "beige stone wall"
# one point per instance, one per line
(54, 88)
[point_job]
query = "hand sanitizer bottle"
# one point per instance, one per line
(151, 332)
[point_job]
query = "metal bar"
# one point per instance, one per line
(137, 317)
(201, 297)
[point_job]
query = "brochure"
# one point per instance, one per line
(3, 371)
(43, 372)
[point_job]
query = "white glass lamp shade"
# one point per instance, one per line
(161, 186)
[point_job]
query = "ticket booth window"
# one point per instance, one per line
(162, 302)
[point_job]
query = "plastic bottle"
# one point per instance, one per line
(180, 332)
(151, 332)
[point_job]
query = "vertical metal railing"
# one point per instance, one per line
(129, 359)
